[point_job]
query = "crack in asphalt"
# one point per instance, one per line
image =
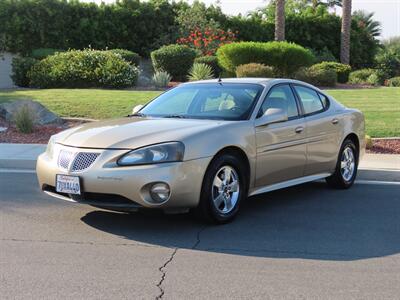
(198, 237)
(162, 269)
(164, 274)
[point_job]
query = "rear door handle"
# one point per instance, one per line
(335, 121)
(299, 129)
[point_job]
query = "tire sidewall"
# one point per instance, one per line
(206, 202)
(347, 143)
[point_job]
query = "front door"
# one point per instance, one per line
(281, 147)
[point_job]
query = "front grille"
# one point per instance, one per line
(64, 159)
(84, 160)
(76, 161)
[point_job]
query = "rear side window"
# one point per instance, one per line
(324, 100)
(310, 99)
(282, 97)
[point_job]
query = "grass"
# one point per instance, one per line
(381, 106)
(85, 103)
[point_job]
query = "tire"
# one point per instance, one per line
(346, 166)
(220, 200)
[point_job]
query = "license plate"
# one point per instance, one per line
(68, 184)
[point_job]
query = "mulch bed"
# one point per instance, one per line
(385, 146)
(40, 135)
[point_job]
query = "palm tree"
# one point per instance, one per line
(345, 33)
(365, 19)
(280, 20)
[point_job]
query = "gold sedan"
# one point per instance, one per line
(207, 146)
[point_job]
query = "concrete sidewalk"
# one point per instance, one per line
(20, 156)
(23, 156)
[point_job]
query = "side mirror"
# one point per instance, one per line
(137, 108)
(272, 115)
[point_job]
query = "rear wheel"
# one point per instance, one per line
(223, 189)
(346, 167)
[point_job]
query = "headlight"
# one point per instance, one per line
(50, 147)
(160, 153)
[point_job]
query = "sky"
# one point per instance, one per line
(386, 11)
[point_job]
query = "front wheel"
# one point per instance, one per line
(346, 167)
(223, 189)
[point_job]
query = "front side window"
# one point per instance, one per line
(223, 101)
(310, 100)
(280, 97)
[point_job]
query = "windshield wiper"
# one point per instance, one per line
(175, 116)
(138, 114)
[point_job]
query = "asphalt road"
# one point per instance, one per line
(306, 242)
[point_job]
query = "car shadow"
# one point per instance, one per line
(309, 221)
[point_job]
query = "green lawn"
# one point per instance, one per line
(381, 106)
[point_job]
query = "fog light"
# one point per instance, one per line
(160, 192)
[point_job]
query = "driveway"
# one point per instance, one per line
(304, 242)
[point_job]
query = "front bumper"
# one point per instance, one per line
(127, 188)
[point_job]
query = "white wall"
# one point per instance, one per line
(5, 70)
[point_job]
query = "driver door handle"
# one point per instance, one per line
(335, 121)
(299, 129)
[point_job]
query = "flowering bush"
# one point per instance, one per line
(209, 40)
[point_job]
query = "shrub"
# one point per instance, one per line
(323, 55)
(20, 68)
(200, 72)
(175, 59)
(131, 57)
(317, 76)
(24, 119)
(212, 61)
(374, 79)
(360, 76)
(42, 53)
(254, 70)
(341, 70)
(161, 79)
(83, 68)
(394, 82)
(284, 57)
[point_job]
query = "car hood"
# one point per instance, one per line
(131, 133)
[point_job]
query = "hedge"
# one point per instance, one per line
(317, 76)
(341, 70)
(254, 70)
(83, 68)
(286, 58)
(394, 82)
(130, 56)
(361, 76)
(175, 59)
(20, 68)
(142, 26)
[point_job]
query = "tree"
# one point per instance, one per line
(280, 20)
(365, 20)
(345, 32)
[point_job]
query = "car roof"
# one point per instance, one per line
(253, 80)
(235, 80)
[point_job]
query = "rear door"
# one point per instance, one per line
(281, 148)
(322, 131)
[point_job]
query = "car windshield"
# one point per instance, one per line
(222, 101)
